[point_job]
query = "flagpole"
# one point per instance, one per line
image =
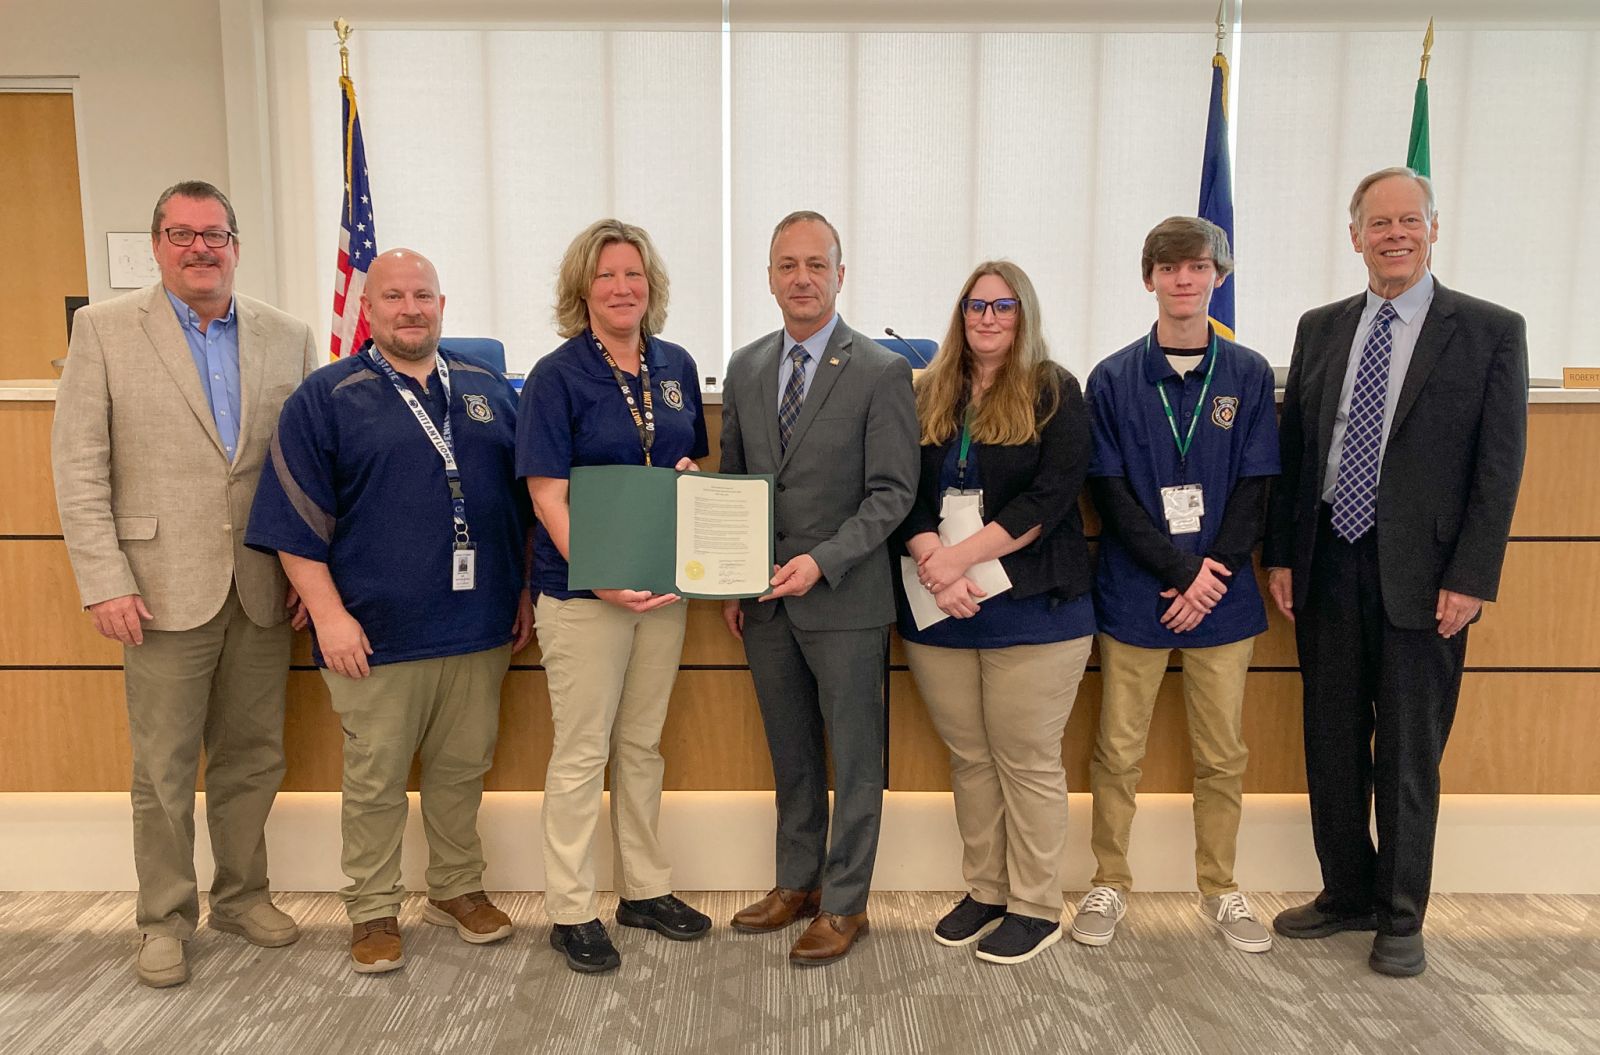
(1418, 154)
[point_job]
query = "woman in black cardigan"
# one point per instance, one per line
(1004, 429)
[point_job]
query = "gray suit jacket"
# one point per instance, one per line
(849, 476)
(149, 502)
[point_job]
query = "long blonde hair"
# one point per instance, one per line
(1026, 390)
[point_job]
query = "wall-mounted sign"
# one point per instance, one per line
(133, 265)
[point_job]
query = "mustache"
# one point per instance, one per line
(202, 258)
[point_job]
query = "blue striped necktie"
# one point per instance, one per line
(1355, 494)
(794, 394)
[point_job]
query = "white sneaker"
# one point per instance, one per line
(1098, 914)
(1231, 914)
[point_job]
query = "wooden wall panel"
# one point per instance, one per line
(43, 623)
(63, 730)
(1525, 734)
(1555, 499)
(26, 482)
(1546, 615)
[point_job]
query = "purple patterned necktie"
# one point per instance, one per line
(1355, 494)
(794, 394)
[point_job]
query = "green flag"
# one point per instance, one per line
(1417, 150)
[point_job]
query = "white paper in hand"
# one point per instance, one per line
(924, 609)
(962, 519)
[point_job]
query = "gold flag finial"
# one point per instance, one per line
(1221, 32)
(341, 27)
(1427, 49)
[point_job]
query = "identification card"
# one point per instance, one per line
(954, 500)
(1183, 506)
(463, 568)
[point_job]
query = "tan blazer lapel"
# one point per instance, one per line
(166, 337)
(834, 359)
(252, 339)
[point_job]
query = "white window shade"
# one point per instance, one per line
(1057, 147)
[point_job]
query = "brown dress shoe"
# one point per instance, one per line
(375, 946)
(777, 910)
(473, 916)
(828, 938)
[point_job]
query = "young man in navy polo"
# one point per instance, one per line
(1185, 440)
(391, 498)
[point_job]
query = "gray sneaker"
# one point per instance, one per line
(1098, 913)
(1231, 914)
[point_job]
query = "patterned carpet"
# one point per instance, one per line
(1506, 974)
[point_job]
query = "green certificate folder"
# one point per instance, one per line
(705, 535)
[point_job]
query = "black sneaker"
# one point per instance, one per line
(587, 947)
(967, 922)
(665, 915)
(1019, 938)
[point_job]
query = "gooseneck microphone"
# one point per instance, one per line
(920, 359)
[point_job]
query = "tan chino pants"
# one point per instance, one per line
(1001, 712)
(611, 673)
(1213, 693)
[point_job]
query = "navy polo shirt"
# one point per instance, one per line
(573, 414)
(353, 481)
(1237, 437)
(1002, 620)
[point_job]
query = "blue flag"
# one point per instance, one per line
(1216, 186)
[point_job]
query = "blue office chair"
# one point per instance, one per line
(918, 351)
(486, 351)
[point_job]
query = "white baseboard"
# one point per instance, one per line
(723, 841)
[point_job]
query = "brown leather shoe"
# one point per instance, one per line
(828, 938)
(473, 916)
(375, 946)
(777, 910)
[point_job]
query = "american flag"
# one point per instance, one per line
(358, 239)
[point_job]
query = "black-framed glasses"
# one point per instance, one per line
(183, 237)
(1004, 308)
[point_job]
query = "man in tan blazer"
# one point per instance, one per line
(164, 415)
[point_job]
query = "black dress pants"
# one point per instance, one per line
(1379, 702)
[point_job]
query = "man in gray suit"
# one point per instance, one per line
(163, 417)
(832, 417)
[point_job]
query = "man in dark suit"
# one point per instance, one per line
(831, 415)
(1403, 433)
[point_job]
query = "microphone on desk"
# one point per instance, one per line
(921, 360)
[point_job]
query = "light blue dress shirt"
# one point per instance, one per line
(1411, 311)
(815, 345)
(216, 355)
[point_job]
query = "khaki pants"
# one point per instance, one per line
(221, 685)
(610, 674)
(1213, 693)
(1001, 712)
(448, 709)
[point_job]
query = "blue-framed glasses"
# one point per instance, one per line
(1004, 308)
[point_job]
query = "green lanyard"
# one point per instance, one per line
(966, 445)
(1185, 442)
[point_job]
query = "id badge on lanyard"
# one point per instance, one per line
(463, 555)
(1183, 505)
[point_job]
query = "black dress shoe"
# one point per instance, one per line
(1398, 955)
(665, 915)
(587, 946)
(1309, 921)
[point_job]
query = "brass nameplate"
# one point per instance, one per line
(1580, 377)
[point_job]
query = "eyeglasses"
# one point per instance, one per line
(1004, 308)
(182, 236)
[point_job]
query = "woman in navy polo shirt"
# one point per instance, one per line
(1007, 429)
(613, 394)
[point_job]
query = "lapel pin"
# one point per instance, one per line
(834, 361)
